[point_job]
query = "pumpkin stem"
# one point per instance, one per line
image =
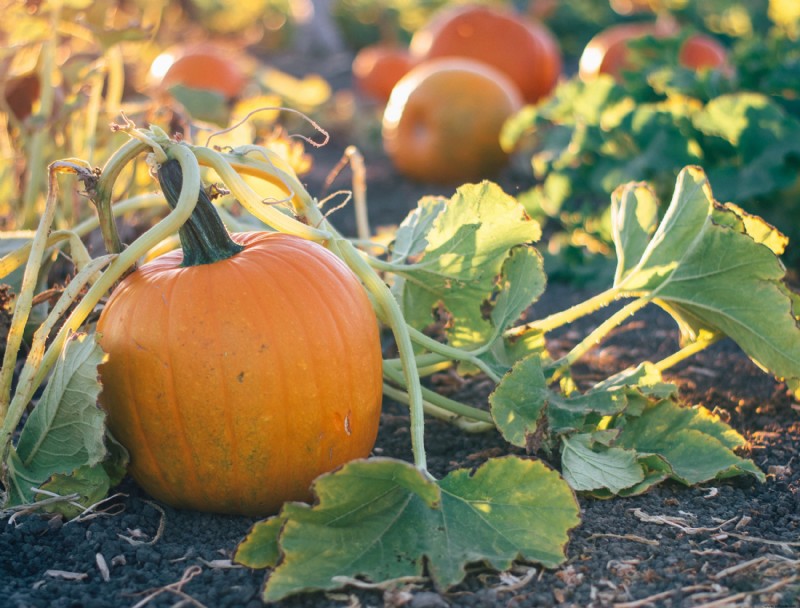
(204, 238)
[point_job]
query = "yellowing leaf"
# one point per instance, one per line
(382, 519)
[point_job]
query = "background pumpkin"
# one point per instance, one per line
(234, 384)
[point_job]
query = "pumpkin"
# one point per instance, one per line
(238, 377)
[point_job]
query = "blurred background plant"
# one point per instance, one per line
(69, 68)
(740, 122)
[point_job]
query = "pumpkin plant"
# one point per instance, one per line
(213, 348)
(714, 268)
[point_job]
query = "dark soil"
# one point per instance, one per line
(729, 543)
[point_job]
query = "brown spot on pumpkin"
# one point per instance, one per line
(240, 377)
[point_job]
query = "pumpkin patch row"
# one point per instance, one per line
(471, 67)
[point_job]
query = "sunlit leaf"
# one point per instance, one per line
(634, 218)
(712, 277)
(467, 244)
(695, 443)
(758, 140)
(411, 236)
(383, 520)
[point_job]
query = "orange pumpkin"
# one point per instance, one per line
(207, 68)
(443, 120)
(378, 67)
(608, 51)
(233, 384)
(521, 48)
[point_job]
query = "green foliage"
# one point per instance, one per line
(383, 519)
(713, 267)
(705, 268)
(62, 446)
(589, 137)
(458, 252)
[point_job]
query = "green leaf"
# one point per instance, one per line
(651, 141)
(644, 378)
(518, 401)
(523, 398)
(655, 470)
(260, 547)
(65, 430)
(585, 468)
(705, 269)
(521, 283)
(91, 483)
(383, 520)
(695, 443)
(410, 238)
(634, 218)
(468, 242)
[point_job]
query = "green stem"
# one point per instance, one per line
(441, 353)
(14, 259)
(423, 360)
(444, 403)
(25, 386)
(470, 426)
(204, 238)
(126, 259)
(569, 315)
(687, 351)
(141, 201)
(22, 307)
(596, 336)
(228, 168)
(104, 191)
(359, 192)
(452, 353)
(391, 312)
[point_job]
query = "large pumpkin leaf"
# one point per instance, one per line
(705, 268)
(467, 241)
(695, 443)
(382, 519)
(65, 430)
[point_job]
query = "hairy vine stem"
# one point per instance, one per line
(26, 385)
(24, 302)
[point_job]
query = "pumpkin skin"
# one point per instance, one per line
(234, 384)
